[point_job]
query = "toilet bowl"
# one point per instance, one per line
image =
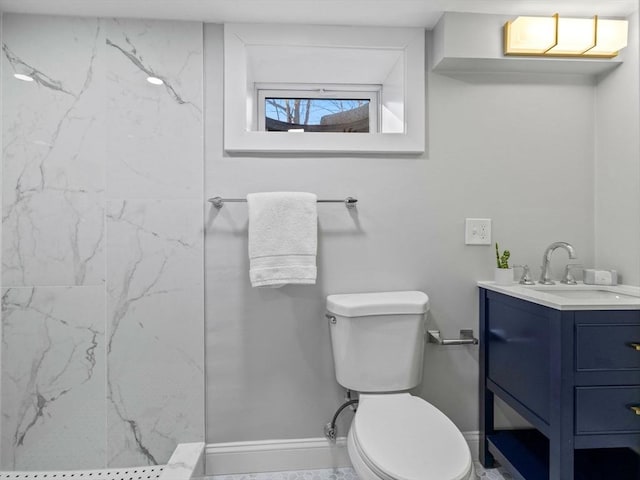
(378, 345)
(402, 437)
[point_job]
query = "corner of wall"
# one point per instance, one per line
(617, 172)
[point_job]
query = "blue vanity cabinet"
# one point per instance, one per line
(574, 376)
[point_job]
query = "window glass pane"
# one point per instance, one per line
(316, 115)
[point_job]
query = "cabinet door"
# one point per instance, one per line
(519, 352)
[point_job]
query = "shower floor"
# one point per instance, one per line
(342, 474)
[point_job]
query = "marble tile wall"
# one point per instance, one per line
(154, 329)
(53, 152)
(53, 377)
(102, 252)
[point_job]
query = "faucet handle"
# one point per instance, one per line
(526, 275)
(568, 278)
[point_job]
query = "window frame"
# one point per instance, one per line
(310, 54)
(372, 93)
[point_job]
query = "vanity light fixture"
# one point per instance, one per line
(155, 81)
(23, 77)
(565, 37)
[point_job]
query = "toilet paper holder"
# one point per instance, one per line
(466, 338)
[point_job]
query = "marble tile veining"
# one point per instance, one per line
(343, 473)
(103, 318)
(53, 152)
(53, 394)
(154, 131)
(154, 340)
(491, 473)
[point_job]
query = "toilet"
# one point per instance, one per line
(378, 346)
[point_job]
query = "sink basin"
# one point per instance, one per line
(586, 294)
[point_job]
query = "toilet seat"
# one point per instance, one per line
(402, 437)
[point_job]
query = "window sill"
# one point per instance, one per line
(323, 142)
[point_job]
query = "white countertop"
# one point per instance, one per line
(573, 297)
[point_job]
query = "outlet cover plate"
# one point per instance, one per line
(477, 231)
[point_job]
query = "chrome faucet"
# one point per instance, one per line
(545, 276)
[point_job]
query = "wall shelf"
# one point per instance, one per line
(563, 66)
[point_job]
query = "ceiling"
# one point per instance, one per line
(422, 13)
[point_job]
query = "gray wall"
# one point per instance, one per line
(517, 150)
(617, 166)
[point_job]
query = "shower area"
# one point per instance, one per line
(102, 352)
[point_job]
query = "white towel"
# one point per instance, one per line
(283, 238)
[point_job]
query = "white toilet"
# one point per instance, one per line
(378, 346)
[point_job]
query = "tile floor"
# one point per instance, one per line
(341, 474)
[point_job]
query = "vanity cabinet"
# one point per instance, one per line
(574, 375)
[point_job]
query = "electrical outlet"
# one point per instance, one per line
(477, 231)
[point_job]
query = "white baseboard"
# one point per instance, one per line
(287, 455)
(275, 455)
(473, 440)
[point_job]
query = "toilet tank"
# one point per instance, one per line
(378, 339)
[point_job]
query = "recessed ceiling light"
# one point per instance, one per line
(24, 78)
(155, 80)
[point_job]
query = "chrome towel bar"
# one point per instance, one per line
(218, 202)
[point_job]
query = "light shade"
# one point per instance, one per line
(565, 37)
(575, 36)
(530, 35)
(611, 37)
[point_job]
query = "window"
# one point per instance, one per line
(311, 88)
(338, 109)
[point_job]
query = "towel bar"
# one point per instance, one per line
(218, 202)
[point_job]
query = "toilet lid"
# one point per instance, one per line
(406, 438)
